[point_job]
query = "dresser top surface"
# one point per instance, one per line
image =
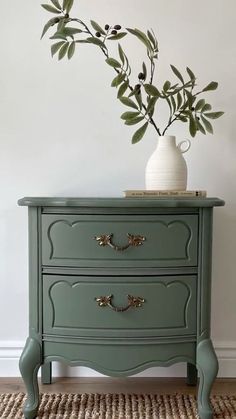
(121, 202)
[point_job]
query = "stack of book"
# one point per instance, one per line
(162, 194)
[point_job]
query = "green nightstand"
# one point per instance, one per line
(119, 279)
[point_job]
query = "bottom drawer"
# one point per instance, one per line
(120, 359)
(167, 306)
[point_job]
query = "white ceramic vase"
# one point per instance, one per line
(166, 168)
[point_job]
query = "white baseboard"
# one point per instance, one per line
(10, 353)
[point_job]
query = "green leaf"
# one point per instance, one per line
(182, 118)
(179, 89)
(190, 97)
(151, 104)
(66, 31)
(166, 86)
(144, 71)
(214, 115)
(138, 135)
(211, 86)
(61, 25)
(82, 41)
(200, 126)
(207, 125)
(95, 41)
(121, 53)
(173, 103)
(173, 87)
(50, 23)
(142, 37)
(179, 100)
(63, 50)
(118, 80)
(67, 5)
(177, 73)
(56, 4)
(113, 62)
(156, 43)
(134, 121)
(58, 36)
(128, 102)
(138, 97)
(206, 108)
(191, 75)
(185, 112)
(122, 89)
(55, 47)
(50, 9)
(70, 31)
(152, 39)
(129, 115)
(132, 93)
(120, 35)
(200, 104)
(169, 104)
(151, 90)
(150, 114)
(71, 50)
(192, 126)
(97, 27)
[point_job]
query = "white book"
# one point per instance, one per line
(161, 193)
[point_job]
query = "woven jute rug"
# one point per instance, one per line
(116, 406)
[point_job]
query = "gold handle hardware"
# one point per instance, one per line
(106, 240)
(133, 302)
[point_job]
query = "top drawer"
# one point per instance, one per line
(153, 241)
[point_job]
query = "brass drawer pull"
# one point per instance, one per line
(106, 240)
(133, 302)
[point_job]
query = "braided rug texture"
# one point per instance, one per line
(116, 406)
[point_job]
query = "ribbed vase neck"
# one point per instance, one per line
(166, 141)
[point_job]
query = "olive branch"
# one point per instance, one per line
(141, 98)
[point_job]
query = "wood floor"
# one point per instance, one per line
(118, 385)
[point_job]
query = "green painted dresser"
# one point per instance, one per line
(119, 285)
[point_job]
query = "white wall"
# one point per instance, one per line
(60, 134)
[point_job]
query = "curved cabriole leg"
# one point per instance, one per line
(30, 362)
(207, 364)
